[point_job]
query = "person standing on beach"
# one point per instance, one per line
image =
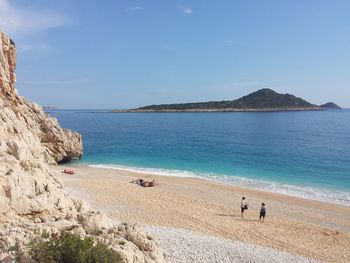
(262, 212)
(243, 206)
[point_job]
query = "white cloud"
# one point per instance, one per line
(134, 8)
(186, 11)
(16, 20)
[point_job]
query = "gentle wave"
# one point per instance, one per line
(154, 171)
(313, 193)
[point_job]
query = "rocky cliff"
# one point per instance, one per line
(32, 199)
(7, 66)
(58, 145)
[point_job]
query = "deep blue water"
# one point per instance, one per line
(298, 153)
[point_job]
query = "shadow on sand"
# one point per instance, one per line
(238, 217)
(230, 215)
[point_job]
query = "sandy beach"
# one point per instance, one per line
(306, 228)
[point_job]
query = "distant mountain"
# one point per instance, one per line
(49, 108)
(261, 100)
(330, 105)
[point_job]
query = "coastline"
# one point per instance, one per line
(221, 110)
(299, 226)
(307, 192)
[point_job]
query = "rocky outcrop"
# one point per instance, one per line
(7, 66)
(330, 105)
(32, 199)
(59, 145)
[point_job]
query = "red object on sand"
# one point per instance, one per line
(68, 171)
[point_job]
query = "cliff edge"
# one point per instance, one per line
(59, 145)
(32, 200)
(7, 66)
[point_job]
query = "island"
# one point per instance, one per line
(261, 100)
(49, 108)
(330, 105)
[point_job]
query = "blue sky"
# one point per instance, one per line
(122, 54)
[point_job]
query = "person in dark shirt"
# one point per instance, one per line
(262, 212)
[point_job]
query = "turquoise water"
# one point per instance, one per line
(298, 153)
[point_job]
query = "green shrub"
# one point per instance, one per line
(70, 248)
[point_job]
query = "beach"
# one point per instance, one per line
(174, 132)
(310, 229)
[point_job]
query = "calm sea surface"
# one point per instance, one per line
(298, 153)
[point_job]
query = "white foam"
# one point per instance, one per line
(313, 193)
(154, 171)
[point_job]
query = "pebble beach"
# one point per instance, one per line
(197, 220)
(187, 246)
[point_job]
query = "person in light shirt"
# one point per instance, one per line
(243, 206)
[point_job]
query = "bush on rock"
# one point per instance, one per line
(71, 248)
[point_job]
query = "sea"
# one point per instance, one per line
(301, 153)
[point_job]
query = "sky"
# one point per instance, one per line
(123, 54)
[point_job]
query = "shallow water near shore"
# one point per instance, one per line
(304, 154)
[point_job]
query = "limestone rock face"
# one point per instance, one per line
(32, 199)
(57, 144)
(7, 65)
(60, 145)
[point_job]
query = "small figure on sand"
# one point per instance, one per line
(144, 183)
(262, 212)
(138, 181)
(244, 206)
(68, 171)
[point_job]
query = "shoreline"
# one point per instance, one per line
(219, 110)
(295, 225)
(329, 196)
